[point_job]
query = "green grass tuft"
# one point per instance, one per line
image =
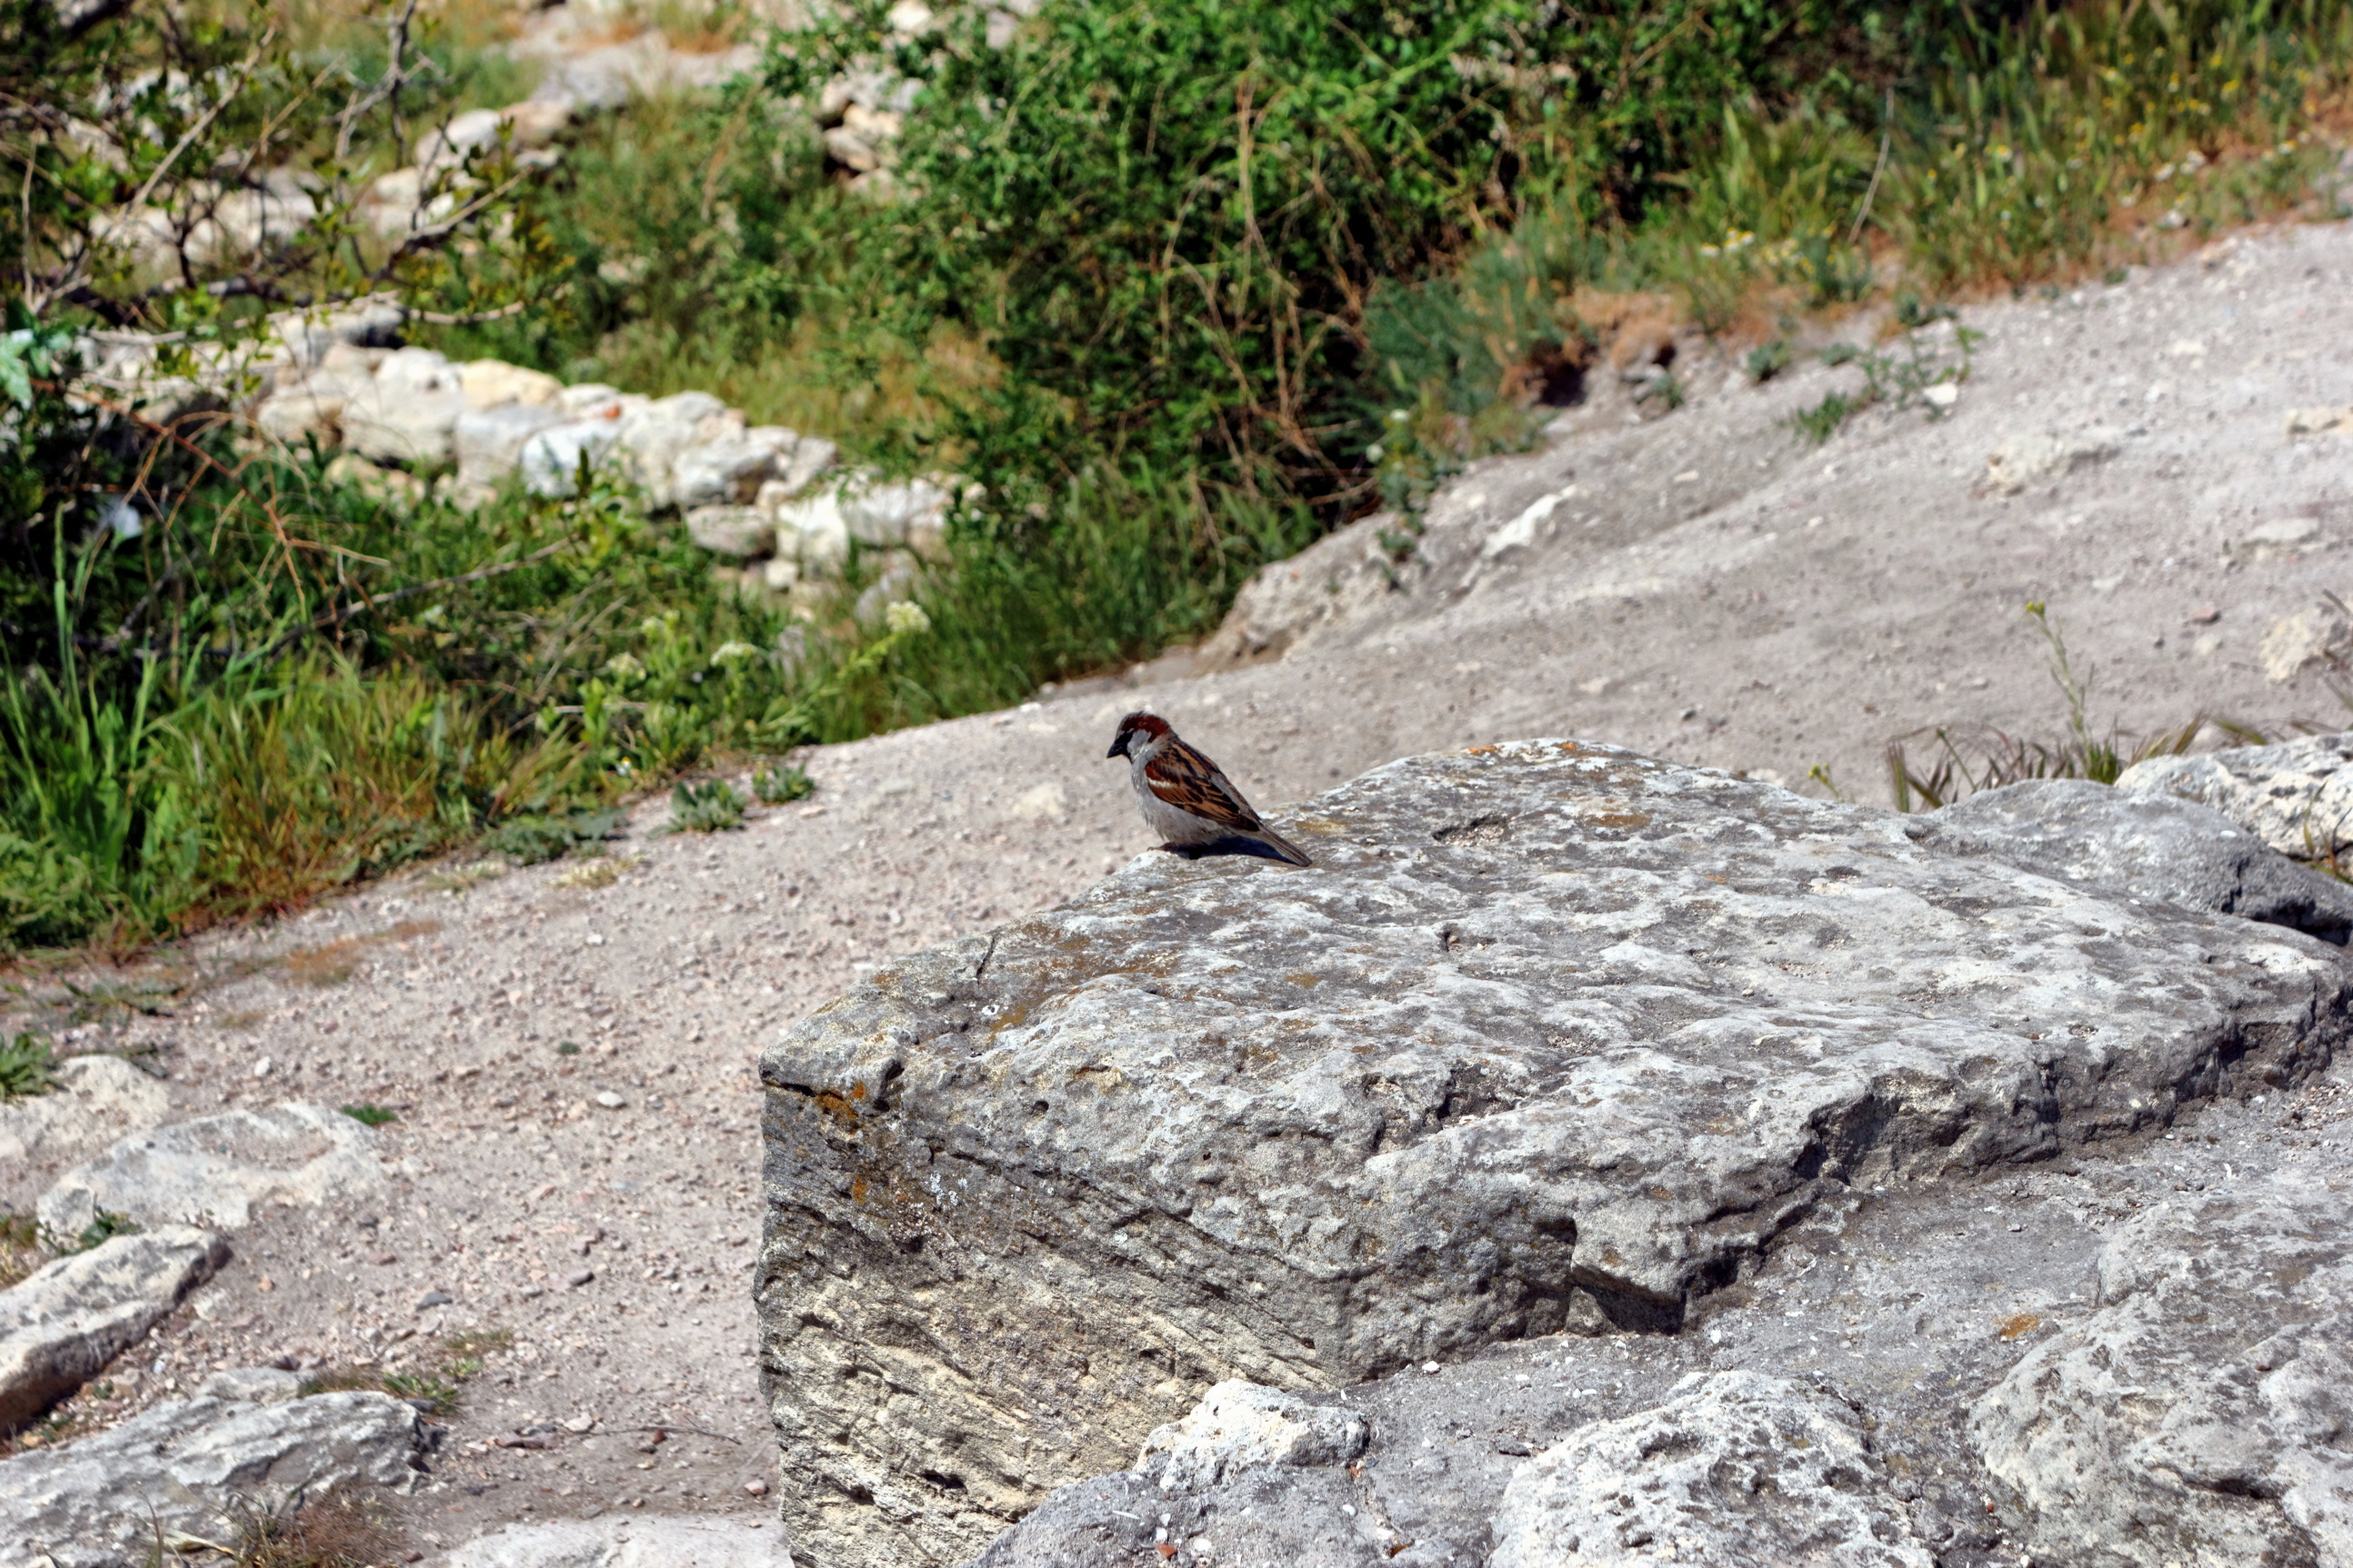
(26, 1066)
(710, 807)
(370, 1115)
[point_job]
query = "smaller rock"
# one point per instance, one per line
(741, 532)
(2297, 796)
(536, 121)
(294, 418)
(755, 1489)
(409, 414)
(862, 139)
(552, 458)
(2296, 643)
(579, 1276)
(215, 1170)
(263, 1068)
(1738, 1468)
(494, 384)
(434, 1299)
(727, 472)
(632, 1541)
(2319, 421)
(609, 1100)
(2143, 846)
(62, 1325)
(579, 1424)
(98, 1099)
(252, 1384)
(2026, 460)
(104, 1499)
(489, 441)
(1239, 1424)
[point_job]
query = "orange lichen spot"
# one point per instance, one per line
(2019, 1325)
(840, 1109)
(858, 1189)
(1482, 751)
(1310, 981)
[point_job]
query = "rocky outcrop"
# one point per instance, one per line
(2199, 1416)
(59, 1327)
(1740, 1469)
(173, 1471)
(2297, 796)
(2141, 847)
(215, 1170)
(1553, 1036)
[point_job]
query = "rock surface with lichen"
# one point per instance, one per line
(1553, 1036)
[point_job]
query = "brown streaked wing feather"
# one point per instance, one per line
(1188, 781)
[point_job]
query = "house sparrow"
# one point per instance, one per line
(1188, 801)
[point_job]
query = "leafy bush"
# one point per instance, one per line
(710, 807)
(26, 1066)
(780, 787)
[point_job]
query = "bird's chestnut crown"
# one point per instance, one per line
(1151, 726)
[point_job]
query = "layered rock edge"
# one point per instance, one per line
(1554, 1036)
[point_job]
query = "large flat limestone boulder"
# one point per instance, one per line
(1553, 1036)
(62, 1325)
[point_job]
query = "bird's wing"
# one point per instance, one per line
(1184, 778)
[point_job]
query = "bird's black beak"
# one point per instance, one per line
(1118, 745)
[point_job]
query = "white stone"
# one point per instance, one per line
(1739, 1469)
(409, 414)
(252, 1384)
(741, 532)
(537, 121)
(2319, 421)
(633, 1541)
(814, 532)
(60, 1325)
(1239, 1424)
(489, 441)
(218, 1168)
(651, 436)
(296, 416)
(98, 1099)
(492, 382)
(889, 513)
(726, 472)
(2294, 644)
(2297, 796)
(551, 459)
(2026, 460)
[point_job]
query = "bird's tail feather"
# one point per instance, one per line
(1284, 848)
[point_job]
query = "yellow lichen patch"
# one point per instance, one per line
(1310, 981)
(2017, 1325)
(1622, 820)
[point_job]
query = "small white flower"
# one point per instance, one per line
(907, 618)
(732, 652)
(624, 666)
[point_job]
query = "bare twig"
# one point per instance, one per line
(203, 122)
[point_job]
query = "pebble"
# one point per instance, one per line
(261, 1069)
(580, 1276)
(755, 1489)
(1431, 1367)
(609, 1101)
(434, 1299)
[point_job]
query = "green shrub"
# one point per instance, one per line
(710, 807)
(370, 1115)
(26, 1066)
(779, 787)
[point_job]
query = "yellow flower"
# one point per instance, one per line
(907, 618)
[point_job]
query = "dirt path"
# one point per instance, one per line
(1702, 586)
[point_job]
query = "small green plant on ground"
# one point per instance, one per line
(779, 785)
(1768, 359)
(370, 1115)
(102, 1228)
(529, 840)
(1965, 760)
(20, 1246)
(26, 1066)
(710, 807)
(1898, 380)
(435, 1384)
